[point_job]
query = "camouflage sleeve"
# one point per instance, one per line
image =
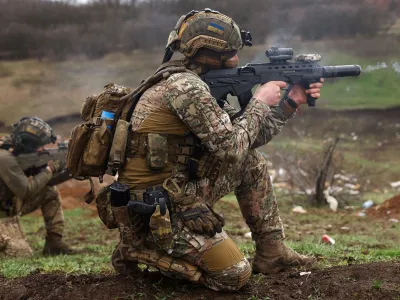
(190, 99)
(230, 110)
(270, 126)
(16, 180)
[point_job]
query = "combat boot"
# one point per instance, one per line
(54, 245)
(273, 256)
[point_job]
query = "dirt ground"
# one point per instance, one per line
(372, 281)
(389, 209)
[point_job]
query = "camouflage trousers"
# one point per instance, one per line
(215, 261)
(12, 239)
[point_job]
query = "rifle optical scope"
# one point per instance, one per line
(279, 54)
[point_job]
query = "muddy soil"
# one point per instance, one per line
(389, 209)
(368, 281)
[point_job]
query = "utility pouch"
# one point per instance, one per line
(94, 159)
(104, 210)
(161, 228)
(79, 137)
(160, 221)
(157, 151)
(118, 147)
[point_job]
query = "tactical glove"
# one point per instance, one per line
(198, 216)
(56, 166)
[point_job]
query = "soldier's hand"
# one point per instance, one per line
(299, 94)
(200, 218)
(270, 92)
(55, 166)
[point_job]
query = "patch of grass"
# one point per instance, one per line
(83, 231)
(364, 243)
(377, 284)
(95, 262)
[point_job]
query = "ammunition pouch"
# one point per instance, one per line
(184, 152)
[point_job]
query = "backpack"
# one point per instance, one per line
(97, 145)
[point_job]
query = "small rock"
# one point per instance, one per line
(299, 210)
(247, 235)
(395, 184)
(394, 220)
(367, 204)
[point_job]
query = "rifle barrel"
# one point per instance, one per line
(341, 71)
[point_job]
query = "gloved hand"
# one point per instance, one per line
(198, 216)
(56, 166)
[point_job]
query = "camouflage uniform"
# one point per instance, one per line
(186, 98)
(21, 195)
(178, 108)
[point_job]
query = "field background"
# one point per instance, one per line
(364, 112)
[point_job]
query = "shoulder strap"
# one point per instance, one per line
(164, 71)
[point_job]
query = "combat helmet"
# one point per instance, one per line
(206, 29)
(30, 133)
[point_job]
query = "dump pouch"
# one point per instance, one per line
(103, 206)
(118, 147)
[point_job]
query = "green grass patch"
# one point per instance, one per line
(95, 262)
(363, 243)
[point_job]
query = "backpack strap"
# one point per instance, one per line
(164, 71)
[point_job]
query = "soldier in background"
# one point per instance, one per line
(20, 195)
(184, 144)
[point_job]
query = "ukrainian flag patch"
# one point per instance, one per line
(214, 27)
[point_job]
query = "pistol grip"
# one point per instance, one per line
(310, 100)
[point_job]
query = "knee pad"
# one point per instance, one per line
(231, 279)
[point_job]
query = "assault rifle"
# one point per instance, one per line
(303, 70)
(33, 163)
